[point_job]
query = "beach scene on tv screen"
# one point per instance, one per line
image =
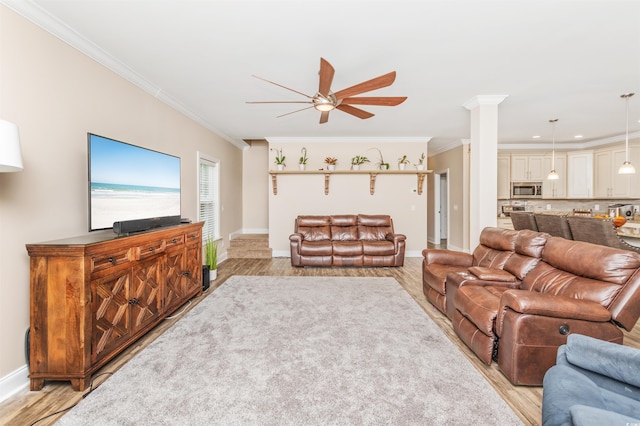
(129, 182)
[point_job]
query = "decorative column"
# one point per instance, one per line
(483, 164)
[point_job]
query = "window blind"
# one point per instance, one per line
(209, 199)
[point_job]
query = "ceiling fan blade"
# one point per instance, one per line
(373, 84)
(326, 77)
(293, 112)
(284, 87)
(324, 117)
(381, 100)
(279, 102)
(360, 113)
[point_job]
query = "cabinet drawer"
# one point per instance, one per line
(176, 240)
(104, 261)
(193, 236)
(150, 249)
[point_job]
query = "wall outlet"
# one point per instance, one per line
(596, 207)
(636, 209)
(548, 206)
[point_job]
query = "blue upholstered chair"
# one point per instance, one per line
(594, 382)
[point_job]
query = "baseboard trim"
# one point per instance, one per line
(14, 382)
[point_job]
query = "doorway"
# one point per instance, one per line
(441, 208)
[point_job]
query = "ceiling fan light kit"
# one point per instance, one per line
(326, 100)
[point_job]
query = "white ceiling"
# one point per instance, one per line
(562, 59)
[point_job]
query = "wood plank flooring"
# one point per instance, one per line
(27, 407)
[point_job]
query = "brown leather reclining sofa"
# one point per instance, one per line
(519, 295)
(346, 240)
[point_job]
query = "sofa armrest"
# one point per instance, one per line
(395, 239)
(296, 237)
(447, 257)
(609, 359)
(528, 302)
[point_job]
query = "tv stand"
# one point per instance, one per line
(92, 296)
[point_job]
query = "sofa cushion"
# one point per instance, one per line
(489, 257)
(498, 238)
(344, 220)
(315, 233)
(347, 248)
(316, 248)
(344, 233)
(378, 248)
(435, 276)
(528, 247)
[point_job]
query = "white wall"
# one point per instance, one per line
(395, 195)
(56, 95)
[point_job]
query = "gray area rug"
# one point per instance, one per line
(298, 351)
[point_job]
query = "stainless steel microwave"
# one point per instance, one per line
(526, 189)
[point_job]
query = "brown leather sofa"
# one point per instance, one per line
(346, 240)
(557, 287)
(496, 245)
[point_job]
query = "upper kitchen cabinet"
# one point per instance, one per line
(555, 188)
(526, 168)
(608, 183)
(580, 174)
(504, 177)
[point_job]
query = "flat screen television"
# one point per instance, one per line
(128, 182)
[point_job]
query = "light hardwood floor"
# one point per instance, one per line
(28, 407)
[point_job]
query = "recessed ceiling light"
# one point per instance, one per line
(578, 136)
(535, 137)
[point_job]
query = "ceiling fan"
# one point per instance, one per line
(326, 100)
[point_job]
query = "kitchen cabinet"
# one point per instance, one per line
(525, 168)
(504, 177)
(580, 174)
(608, 183)
(555, 188)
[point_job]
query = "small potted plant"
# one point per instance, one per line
(302, 162)
(331, 163)
(279, 159)
(357, 161)
(420, 165)
(211, 257)
(402, 162)
(381, 165)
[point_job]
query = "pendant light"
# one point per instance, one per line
(553, 175)
(627, 168)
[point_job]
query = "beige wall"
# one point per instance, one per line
(395, 195)
(255, 195)
(455, 163)
(56, 95)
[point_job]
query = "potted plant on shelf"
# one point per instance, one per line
(302, 162)
(357, 161)
(420, 165)
(402, 162)
(211, 257)
(280, 164)
(381, 165)
(331, 163)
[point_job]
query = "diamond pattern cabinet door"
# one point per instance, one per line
(111, 323)
(145, 297)
(174, 291)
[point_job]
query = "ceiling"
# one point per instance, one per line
(562, 59)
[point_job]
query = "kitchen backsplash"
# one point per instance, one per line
(539, 206)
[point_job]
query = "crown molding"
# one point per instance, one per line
(40, 17)
(347, 139)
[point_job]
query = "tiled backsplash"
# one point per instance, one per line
(596, 206)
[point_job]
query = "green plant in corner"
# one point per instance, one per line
(211, 253)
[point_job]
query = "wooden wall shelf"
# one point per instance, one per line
(327, 174)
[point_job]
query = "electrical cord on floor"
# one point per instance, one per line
(179, 313)
(91, 389)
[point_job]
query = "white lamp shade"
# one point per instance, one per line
(626, 169)
(553, 175)
(10, 156)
